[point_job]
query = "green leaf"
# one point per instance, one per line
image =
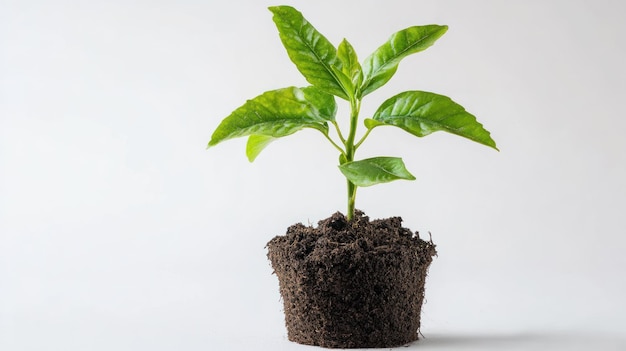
(381, 65)
(350, 62)
(372, 123)
(342, 158)
(256, 144)
(278, 113)
(345, 81)
(375, 170)
(421, 113)
(310, 51)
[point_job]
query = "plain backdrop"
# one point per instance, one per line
(120, 231)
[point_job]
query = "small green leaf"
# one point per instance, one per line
(346, 83)
(375, 170)
(310, 51)
(381, 65)
(350, 62)
(372, 123)
(256, 144)
(342, 158)
(278, 113)
(421, 113)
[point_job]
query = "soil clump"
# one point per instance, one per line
(351, 284)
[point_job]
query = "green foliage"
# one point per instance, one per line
(376, 170)
(337, 72)
(314, 56)
(380, 66)
(421, 113)
(278, 113)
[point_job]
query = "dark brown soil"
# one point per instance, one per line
(354, 284)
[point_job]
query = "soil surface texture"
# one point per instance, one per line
(356, 284)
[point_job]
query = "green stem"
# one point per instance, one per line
(363, 138)
(339, 132)
(333, 143)
(355, 105)
(351, 199)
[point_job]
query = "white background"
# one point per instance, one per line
(119, 231)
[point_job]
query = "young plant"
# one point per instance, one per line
(336, 72)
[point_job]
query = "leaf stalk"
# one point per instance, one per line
(363, 138)
(333, 143)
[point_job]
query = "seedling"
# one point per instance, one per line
(336, 72)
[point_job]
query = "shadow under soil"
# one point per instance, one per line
(519, 341)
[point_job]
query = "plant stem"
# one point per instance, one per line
(362, 139)
(333, 142)
(355, 105)
(351, 199)
(339, 132)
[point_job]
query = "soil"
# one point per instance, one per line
(356, 284)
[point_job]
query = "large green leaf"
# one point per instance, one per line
(421, 113)
(375, 170)
(278, 113)
(310, 51)
(381, 65)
